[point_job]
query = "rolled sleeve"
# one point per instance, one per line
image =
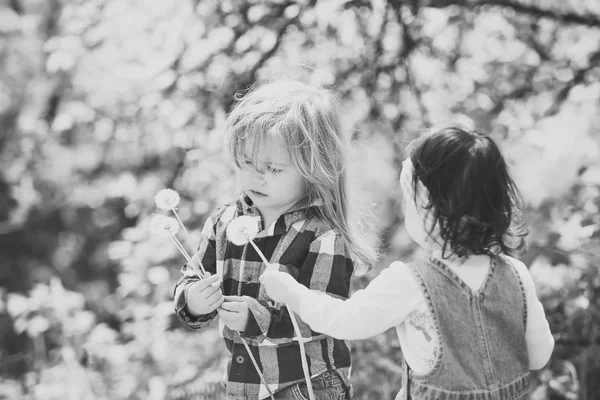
(369, 311)
(259, 319)
(189, 320)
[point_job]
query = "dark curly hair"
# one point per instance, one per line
(474, 201)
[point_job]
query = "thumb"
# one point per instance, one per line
(206, 282)
(234, 298)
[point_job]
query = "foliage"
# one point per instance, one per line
(105, 102)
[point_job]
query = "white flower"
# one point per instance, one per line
(167, 199)
(164, 226)
(242, 230)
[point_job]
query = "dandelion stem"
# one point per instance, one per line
(187, 234)
(180, 248)
(190, 261)
(200, 271)
(311, 395)
(296, 329)
(262, 378)
(260, 254)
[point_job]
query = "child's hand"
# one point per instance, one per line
(279, 285)
(234, 312)
(204, 296)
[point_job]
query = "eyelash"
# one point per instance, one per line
(271, 169)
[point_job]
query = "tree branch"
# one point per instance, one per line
(16, 6)
(410, 44)
(578, 78)
(570, 17)
(538, 12)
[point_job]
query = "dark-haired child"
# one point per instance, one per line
(468, 319)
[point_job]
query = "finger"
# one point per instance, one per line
(226, 315)
(216, 304)
(216, 296)
(215, 284)
(234, 298)
(225, 306)
(206, 282)
(206, 292)
(234, 306)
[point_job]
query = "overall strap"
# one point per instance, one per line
(405, 380)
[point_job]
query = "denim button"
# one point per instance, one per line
(249, 278)
(239, 359)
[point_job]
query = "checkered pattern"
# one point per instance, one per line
(304, 246)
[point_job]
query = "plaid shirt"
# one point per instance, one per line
(304, 246)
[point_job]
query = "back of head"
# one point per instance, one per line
(306, 119)
(472, 197)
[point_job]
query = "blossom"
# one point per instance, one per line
(164, 226)
(242, 230)
(167, 199)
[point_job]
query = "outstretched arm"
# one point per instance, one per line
(384, 303)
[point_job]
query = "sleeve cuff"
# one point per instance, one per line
(259, 319)
(191, 321)
(252, 328)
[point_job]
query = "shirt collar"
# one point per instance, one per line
(297, 213)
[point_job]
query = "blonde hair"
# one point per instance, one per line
(307, 120)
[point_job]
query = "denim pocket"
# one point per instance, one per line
(331, 393)
(327, 386)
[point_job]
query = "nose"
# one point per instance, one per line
(259, 177)
(262, 179)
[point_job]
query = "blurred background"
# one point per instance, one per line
(105, 102)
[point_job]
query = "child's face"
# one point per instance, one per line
(275, 184)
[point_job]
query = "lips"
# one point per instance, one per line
(260, 194)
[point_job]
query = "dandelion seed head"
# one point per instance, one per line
(167, 199)
(164, 226)
(242, 229)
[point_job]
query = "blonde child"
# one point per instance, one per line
(468, 319)
(287, 144)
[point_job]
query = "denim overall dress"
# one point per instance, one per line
(482, 351)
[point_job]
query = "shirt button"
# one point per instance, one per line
(239, 359)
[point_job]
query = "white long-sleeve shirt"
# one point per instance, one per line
(395, 299)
